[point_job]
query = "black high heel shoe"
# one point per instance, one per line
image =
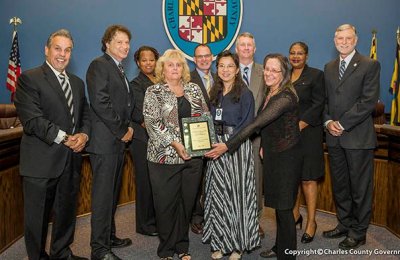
(299, 222)
(306, 238)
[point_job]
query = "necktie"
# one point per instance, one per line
(121, 69)
(68, 95)
(208, 83)
(342, 69)
(246, 76)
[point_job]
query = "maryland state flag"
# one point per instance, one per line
(202, 21)
(394, 86)
(374, 46)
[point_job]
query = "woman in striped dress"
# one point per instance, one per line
(230, 211)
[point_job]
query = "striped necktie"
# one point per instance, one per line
(68, 95)
(246, 76)
(121, 69)
(342, 69)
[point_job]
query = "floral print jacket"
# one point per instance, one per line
(160, 111)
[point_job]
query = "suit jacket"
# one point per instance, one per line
(351, 101)
(257, 85)
(310, 89)
(43, 110)
(139, 86)
(111, 106)
(195, 78)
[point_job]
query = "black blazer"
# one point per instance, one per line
(195, 78)
(310, 88)
(352, 100)
(139, 86)
(43, 110)
(111, 106)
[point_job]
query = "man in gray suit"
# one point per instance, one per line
(352, 88)
(253, 76)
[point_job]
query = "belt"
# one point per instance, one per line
(223, 129)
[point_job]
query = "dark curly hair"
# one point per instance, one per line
(110, 33)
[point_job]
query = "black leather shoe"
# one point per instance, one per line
(120, 242)
(108, 256)
(150, 234)
(351, 243)
(197, 228)
(75, 257)
(270, 253)
(334, 233)
(307, 238)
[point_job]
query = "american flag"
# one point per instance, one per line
(14, 66)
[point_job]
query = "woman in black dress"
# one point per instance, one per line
(145, 58)
(309, 85)
(278, 123)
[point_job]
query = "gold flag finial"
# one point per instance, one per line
(15, 21)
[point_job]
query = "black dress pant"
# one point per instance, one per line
(145, 214)
(174, 191)
(198, 209)
(352, 173)
(106, 185)
(285, 233)
(41, 195)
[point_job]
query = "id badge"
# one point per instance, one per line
(218, 114)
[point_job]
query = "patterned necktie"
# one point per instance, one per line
(68, 95)
(121, 69)
(342, 69)
(245, 76)
(208, 84)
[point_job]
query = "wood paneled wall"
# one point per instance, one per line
(386, 200)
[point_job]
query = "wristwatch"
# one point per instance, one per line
(65, 138)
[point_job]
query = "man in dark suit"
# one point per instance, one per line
(352, 88)
(203, 77)
(111, 108)
(53, 109)
(253, 76)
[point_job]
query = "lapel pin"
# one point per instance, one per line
(355, 65)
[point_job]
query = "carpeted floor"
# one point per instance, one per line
(379, 241)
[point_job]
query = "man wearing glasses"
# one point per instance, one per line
(203, 77)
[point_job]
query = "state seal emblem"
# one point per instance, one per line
(192, 22)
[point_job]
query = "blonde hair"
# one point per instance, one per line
(167, 56)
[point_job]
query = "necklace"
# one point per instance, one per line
(272, 92)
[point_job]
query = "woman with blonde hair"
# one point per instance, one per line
(174, 175)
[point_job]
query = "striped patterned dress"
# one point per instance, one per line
(230, 208)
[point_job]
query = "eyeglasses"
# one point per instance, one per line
(223, 66)
(296, 53)
(203, 56)
(274, 71)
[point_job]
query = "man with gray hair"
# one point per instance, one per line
(253, 76)
(352, 89)
(52, 106)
